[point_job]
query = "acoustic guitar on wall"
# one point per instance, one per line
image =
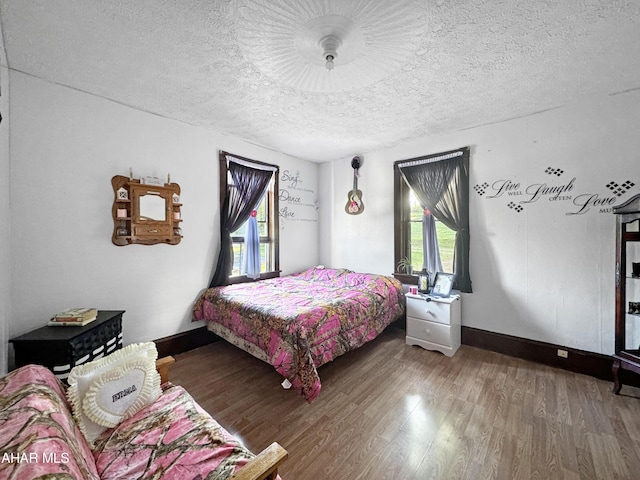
(354, 204)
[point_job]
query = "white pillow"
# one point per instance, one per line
(106, 391)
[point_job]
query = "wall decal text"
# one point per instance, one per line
(562, 193)
(297, 203)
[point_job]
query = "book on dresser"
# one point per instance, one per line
(73, 317)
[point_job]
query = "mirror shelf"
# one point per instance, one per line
(145, 214)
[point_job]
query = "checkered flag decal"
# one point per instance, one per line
(554, 171)
(481, 189)
(516, 207)
(620, 189)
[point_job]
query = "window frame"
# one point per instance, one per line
(401, 219)
(272, 215)
(402, 212)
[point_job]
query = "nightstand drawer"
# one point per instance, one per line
(432, 311)
(430, 331)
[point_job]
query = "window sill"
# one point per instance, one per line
(406, 278)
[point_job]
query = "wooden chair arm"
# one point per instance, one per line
(162, 366)
(264, 466)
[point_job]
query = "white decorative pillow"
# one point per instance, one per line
(106, 391)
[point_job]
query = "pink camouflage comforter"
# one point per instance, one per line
(305, 320)
(38, 436)
(173, 438)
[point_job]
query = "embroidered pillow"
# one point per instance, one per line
(106, 391)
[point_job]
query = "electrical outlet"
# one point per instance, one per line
(563, 353)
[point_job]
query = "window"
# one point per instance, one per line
(247, 185)
(415, 236)
(431, 215)
(265, 232)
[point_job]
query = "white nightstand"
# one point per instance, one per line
(434, 324)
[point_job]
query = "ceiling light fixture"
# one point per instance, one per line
(330, 45)
(363, 45)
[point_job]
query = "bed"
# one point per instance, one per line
(302, 321)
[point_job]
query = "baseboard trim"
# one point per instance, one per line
(185, 341)
(578, 361)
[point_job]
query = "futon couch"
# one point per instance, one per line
(171, 437)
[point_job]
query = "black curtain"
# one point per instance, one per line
(248, 185)
(441, 184)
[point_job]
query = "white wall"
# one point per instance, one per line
(542, 273)
(66, 146)
(5, 278)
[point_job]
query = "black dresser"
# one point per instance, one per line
(62, 348)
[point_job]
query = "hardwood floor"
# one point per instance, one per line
(391, 411)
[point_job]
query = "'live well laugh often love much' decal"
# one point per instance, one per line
(562, 192)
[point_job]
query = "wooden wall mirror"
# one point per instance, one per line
(145, 214)
(152, 207)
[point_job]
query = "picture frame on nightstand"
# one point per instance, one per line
(443, 284)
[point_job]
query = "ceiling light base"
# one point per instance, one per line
(330, 45)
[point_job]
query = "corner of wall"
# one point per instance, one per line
(325, 201)
(5, 212)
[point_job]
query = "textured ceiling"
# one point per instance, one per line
(406, 68)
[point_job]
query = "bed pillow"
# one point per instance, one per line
(322, 274)
(106, 391)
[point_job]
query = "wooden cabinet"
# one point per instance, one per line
(627, 285)
(433, 323)
(145, 214)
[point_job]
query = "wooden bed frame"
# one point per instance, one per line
(264, 466)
